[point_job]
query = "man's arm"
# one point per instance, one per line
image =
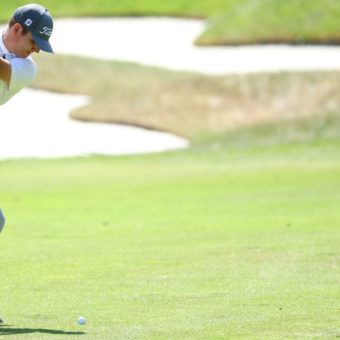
(5, 70)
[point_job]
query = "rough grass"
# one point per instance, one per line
(185, 8)
(275, 21)
(189, 104)
(231, 21)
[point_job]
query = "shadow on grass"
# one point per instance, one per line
(8, 330)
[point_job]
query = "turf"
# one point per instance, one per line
(275, 21)
(196, 244)
(230, 21)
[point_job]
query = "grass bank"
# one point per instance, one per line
(231, 21)
(275, 21)
(198, 107)
(197, 244)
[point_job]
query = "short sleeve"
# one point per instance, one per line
(24, 72)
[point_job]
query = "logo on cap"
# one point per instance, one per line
(28, 22)
(46, 30)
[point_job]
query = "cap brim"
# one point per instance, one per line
(43, 44)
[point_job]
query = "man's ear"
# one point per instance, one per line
(17, 29)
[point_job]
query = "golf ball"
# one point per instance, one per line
(82, 320)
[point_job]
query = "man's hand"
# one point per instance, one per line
(2, 220)
(5, 70)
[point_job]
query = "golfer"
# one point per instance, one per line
(28, 31)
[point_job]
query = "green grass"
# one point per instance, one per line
(230, 21)
(197, 244)
(276, 21)
(188, 8)
(237, 237)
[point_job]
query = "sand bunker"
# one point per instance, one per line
(168, 42)
(44, 130)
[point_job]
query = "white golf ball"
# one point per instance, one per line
(82, 320)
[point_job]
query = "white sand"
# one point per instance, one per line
(36, 123)
(31, 130)
(168, 42)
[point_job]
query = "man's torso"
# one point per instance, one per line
(23, 73)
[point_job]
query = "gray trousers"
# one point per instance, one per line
(2, 220)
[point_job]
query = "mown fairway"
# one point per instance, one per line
(199, 244)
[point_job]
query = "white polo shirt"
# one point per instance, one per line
(24, 71)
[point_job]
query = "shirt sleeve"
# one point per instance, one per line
(23, 73)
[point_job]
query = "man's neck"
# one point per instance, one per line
(6, 41)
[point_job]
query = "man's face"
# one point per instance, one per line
(25, 44)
